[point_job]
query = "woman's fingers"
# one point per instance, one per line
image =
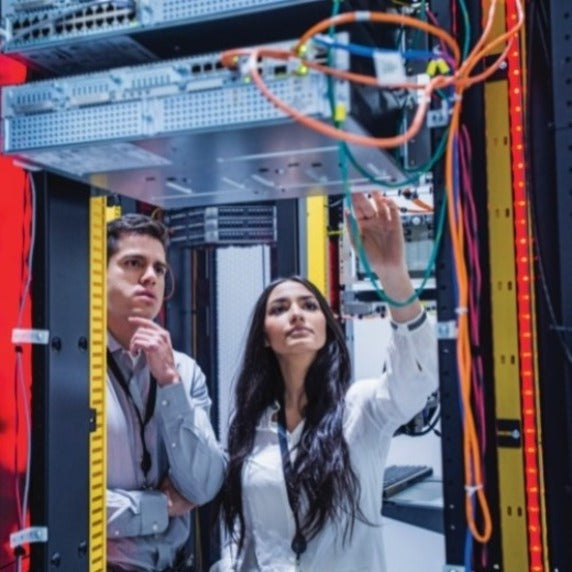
(363, 207)
(376, 206)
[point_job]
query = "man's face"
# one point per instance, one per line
(136, 277)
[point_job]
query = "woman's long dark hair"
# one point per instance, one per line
(322, 469)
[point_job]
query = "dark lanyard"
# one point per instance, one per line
(299, 541)
(149, 408)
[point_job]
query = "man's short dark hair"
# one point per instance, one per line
(135, 223)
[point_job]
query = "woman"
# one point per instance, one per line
(307, 450)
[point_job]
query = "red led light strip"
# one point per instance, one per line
(524, 299)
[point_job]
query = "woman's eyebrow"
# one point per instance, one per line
(287, 299)
(307, 297)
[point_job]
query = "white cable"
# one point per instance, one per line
(30, 251)
(23, 392)
(20, 367)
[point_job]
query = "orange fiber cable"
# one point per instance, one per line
(461, 80)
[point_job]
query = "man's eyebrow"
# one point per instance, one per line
(142, 257)
(124, 256)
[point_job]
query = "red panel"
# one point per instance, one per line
(15, 217)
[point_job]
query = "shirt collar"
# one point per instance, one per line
(115, 347)
(268, 419)
(112, 343)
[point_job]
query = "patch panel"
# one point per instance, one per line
(70, 36)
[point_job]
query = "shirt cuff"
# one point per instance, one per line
(172, 400)
(154, 512)
(411, 325)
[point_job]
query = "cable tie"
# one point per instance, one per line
(472, 489)
(362, 15)
(30, 336)
(5, 35)
(248, 65)
(28, 535)
(340, 113)
(461, 310)
(251, 62)
(443, 66)
(431, 68)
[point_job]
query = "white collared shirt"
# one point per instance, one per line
(375, 408)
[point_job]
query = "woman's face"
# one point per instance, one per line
(294, 322)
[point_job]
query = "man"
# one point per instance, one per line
(162, 455)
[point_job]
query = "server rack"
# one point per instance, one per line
(555, 426)
(61, 368)
(549, 166)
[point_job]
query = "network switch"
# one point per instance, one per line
(187, 132)
(223, 225)
(74, 36)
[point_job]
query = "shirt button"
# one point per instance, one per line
(173, 445)
(155, 527)
(116, 533)
(164, 403)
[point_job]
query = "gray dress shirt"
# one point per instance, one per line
(182, 444)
